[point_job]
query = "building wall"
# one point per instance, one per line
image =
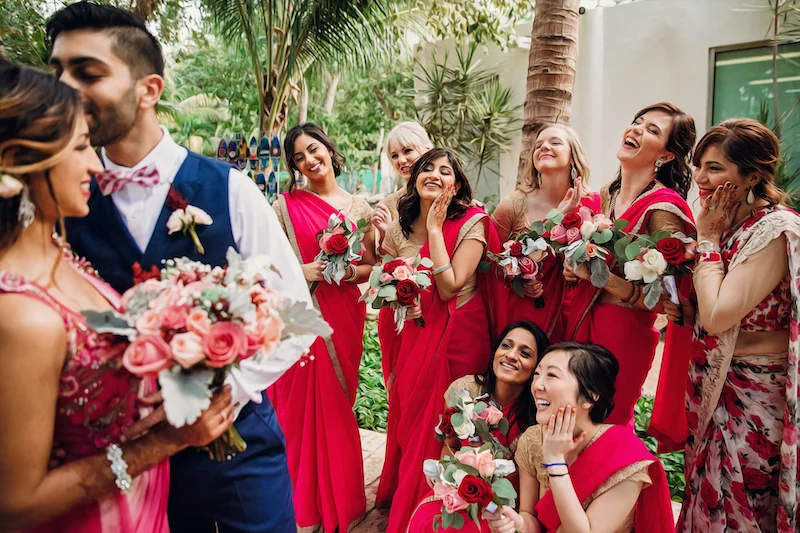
(631, 55)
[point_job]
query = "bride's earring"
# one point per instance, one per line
(573, 173)
(658, 165)
(751, 197)
(26, 210)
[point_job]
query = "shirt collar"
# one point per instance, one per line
(164, 155)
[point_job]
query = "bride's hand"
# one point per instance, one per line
(212, 423)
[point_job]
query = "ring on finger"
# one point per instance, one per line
(712, 207)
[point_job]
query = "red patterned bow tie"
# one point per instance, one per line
(111, 181)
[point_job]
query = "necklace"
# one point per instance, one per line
(614, 197)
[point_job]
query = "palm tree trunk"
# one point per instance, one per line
(330, 94)
(302, 106)
(551, 68)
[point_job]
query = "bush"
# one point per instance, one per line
(371, 405)
(673, 461)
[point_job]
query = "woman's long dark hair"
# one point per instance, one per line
(675, 174)
(312, 130)
(408, 208)
(488, 380)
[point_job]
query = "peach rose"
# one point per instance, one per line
(591, 250)
(174, 317)
(225, 343)
(187, 349)
(485, 463)
(198, 322)
(259, 294)
(149, 323)
(402, 272)
(573, 234)
(512, 269)
(449, 496)
(147, 356)
(559, 234)
(338, 230)
(602, 222)
(273, 327)
(255, 332)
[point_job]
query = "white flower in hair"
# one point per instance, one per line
(9, 186)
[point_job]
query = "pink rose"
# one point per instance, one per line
(485, 463)
(559, 234)
(147, 356)
(171, 296)
(224, 344)
(591, 250)
(528, 267)
(255, 332)
(259, 295)
(174, 317)
(273, 328)
(491, 415)
(468, 458)
(402, 272)
(573, 234)
(338, 230)
(512, 269)
(323, 242)
(585, 213)
(187, 349)
(386, 278)
(149, 323)
(198, 322)
(602, 222)
(449, 496)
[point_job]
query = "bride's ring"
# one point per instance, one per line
(712, 207)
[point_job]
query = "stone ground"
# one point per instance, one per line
(372, 451)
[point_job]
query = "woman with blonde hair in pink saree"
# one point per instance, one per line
(314, 399)
(649, 193)
(72, 456)
(741, 399)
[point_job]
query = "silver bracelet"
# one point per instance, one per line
(119, 467)
(354, 275)
(439, 270)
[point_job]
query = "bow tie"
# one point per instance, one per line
(111, 181)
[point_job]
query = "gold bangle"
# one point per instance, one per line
(354, 275)
(439, 270)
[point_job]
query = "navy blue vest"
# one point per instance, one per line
(103, 238)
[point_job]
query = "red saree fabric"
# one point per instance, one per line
(314, 399)
(453, 343)
(390, 343)
(588, 320)
(422, 519)
(616, 449)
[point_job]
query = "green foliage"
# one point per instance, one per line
(787, 175)
(22, 37)
(371, 405)
(673, 461)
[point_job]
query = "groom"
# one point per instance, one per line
(110, 57)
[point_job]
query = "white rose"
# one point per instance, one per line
(175, 222)
(465, 430)
(504, 467)
(199, 216)
(432, 468)
(653, 265)
(459, 476)
(633, 270)
(587, 230)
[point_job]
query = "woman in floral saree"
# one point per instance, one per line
(741, 452)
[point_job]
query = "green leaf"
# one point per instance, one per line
(503, 488)
(603, 236)
(538, 228)
(457, 521)
(375, 278)
(472, 511)
(426, 262)
(600, 272)
(387, 291)
(579, 253)
(518, 286)
(457, 419)
(659, 235)
(361, 224)
(484, 267)
(448, 473)
(108, 322)
(437, 522)
(479, 407)
(447, 519)
(423, 280)
(386, 259)
(652, 293)
(632, 251)
(503, 426)
(621, 224)
(619, 248)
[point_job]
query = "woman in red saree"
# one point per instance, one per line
(404, 144)
(436, 222)
(66, 402)
(578, 473)
(314, 399)
(556, 177)
(507, 382)
(741, 400)
(649, 193)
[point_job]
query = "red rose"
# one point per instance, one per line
(572, 220)
(738, 493)
(709, 494)
(790, 434)
(673, 250)
(407, 292)
(392, 265)
(757, 479)
(516, 249)
(763, 447)
(337, 244)
(445, 426)
(475, 490)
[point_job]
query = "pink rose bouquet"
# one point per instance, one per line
(396, 283)
(521, 260)
(582, 236)
(472, 420)
(469, 481)
(188, 329)
(339, 245)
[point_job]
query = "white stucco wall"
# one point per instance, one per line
(631, 55)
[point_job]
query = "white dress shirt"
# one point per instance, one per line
(256, 230)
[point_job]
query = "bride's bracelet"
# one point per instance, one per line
(119, 467)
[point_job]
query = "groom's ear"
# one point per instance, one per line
(149, 89)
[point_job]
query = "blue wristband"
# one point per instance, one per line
(548, 465)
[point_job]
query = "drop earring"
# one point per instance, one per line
(27, 210)
(751, 197)
(658, 165)
(573, 173)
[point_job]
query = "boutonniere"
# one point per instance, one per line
(185, 218)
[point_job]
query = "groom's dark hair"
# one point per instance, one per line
(133, 43)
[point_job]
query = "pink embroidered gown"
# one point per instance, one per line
(96, 401)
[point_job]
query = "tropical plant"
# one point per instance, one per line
(466, 109)
(551, 69)
(22, 37)
(371, 405)
(672, 461)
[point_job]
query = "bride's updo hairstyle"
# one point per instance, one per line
(38, 117)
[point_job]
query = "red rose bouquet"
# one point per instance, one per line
(520, 261)
(654, 261)
(191, 326)
(396, 283)
(339, 245)
(472, 420)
